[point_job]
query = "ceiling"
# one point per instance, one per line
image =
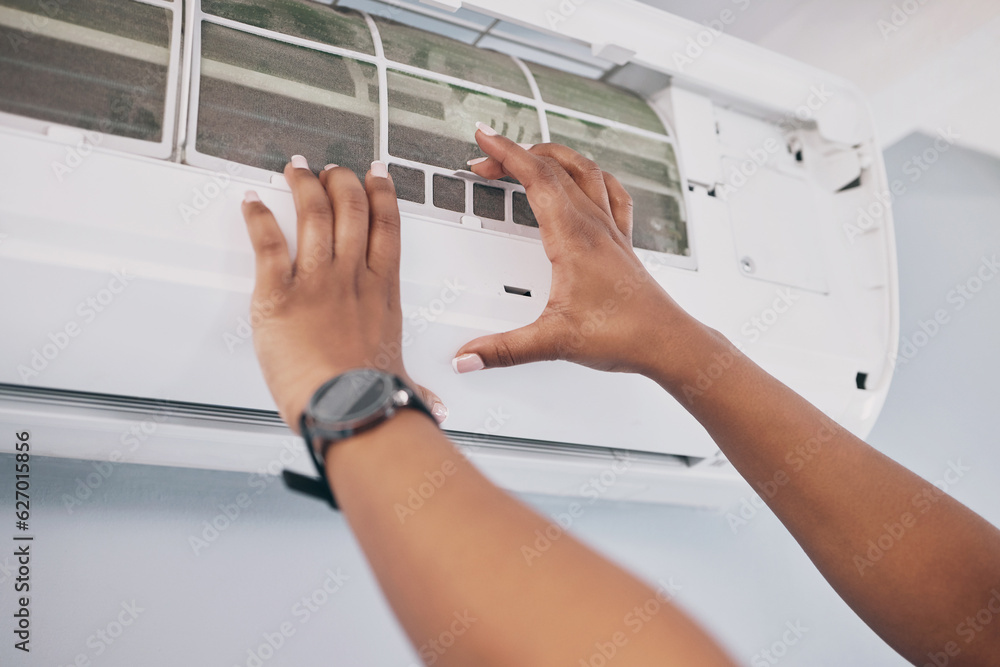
(934, 68)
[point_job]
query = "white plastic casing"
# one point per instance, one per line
(784, 268)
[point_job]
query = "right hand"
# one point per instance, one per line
(604, 311)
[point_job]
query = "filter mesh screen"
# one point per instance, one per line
(97, 66)
(449, 193)
(262, 101)
(299, 18)
(436, 53)
(595, 97)
(435, 123)
(648, 170)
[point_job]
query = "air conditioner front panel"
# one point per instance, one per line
(776, 263)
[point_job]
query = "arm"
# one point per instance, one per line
(453, 567)
(837, 496)
(832, 491)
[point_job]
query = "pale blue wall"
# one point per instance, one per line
(130, 541)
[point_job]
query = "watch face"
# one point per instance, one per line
(354, 395)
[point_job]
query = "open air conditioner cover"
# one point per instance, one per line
(124, 151)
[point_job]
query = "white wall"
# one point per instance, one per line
(130, 540)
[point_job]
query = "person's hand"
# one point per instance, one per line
(604, 311)
(336, 307)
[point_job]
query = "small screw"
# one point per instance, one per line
(747, 265)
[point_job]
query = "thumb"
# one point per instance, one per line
(519, 346)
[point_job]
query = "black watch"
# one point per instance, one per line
(350, 403)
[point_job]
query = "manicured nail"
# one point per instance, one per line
(329, 167)
(467, 363)
(526, 147)
(478, 160)
(299, 162)
(250, 197)
(486, 129)
(379, 170)
(439, 411)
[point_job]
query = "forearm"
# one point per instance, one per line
(838, 496)
(447, 545)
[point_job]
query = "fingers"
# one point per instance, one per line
(350, 216)
(383, 232)
(489, 167)
(584, 172)
(512, 348)
(585, 175)
(432, 401)
(621, 205)
(511, 159)
(312, 208)
(269, 246)
(555, 197)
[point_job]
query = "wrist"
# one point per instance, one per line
(683, 351)
(380, 444)
(300, 393)
(348, 407)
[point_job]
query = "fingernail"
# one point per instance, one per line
(379, 169)
(486, 129)
(299, 162)
(527, 147)
(329, 167)
(467, 363)
(250, 197)
(477, 160)
(440, 411)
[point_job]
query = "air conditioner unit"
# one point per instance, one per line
(126, 144)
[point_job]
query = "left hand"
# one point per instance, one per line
(336, 307)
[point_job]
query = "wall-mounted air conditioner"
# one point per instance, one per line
(126, 143)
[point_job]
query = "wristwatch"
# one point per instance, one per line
(350, 403)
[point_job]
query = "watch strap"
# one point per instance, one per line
(320, 486)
